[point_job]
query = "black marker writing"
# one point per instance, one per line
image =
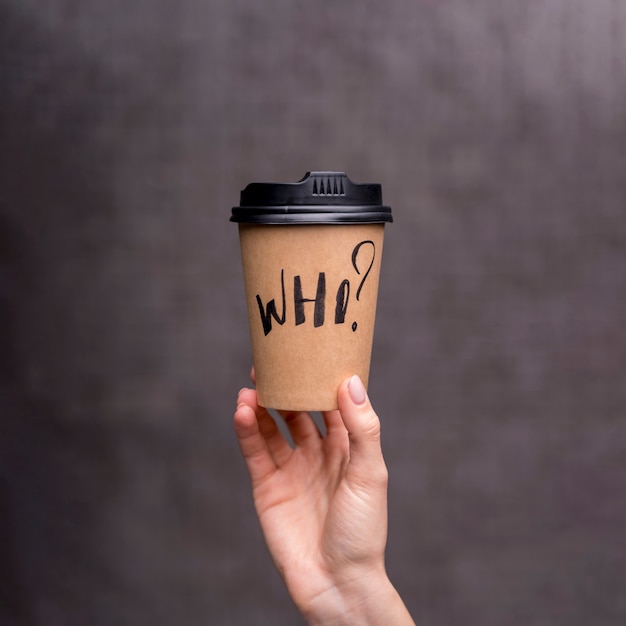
(355, 254)
(341, 306)
(270, 311)
(320, 301)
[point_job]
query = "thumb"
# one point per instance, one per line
(367, 466)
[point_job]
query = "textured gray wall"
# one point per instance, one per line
(498, 131)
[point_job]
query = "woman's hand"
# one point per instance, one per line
(322, 506)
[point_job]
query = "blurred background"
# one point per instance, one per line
(498, 132)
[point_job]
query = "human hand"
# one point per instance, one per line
(322, 506)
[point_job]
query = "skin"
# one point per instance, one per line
(322, 506)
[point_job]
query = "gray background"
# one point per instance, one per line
(498, 131)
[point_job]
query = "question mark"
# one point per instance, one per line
(355, 254)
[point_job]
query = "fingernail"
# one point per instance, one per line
(357, 390)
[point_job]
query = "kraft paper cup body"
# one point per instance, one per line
(311, 293)
(311, 254)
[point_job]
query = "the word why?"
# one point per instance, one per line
(268, 312)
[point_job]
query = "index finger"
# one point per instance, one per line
(253, 445)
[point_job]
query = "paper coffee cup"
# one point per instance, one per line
(311, 254)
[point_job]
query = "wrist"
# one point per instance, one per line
(368, 600)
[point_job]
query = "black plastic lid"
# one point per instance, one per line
(319, 198)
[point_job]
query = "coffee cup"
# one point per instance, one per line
(311, 254)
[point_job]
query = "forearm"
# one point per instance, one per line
(366, 603)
